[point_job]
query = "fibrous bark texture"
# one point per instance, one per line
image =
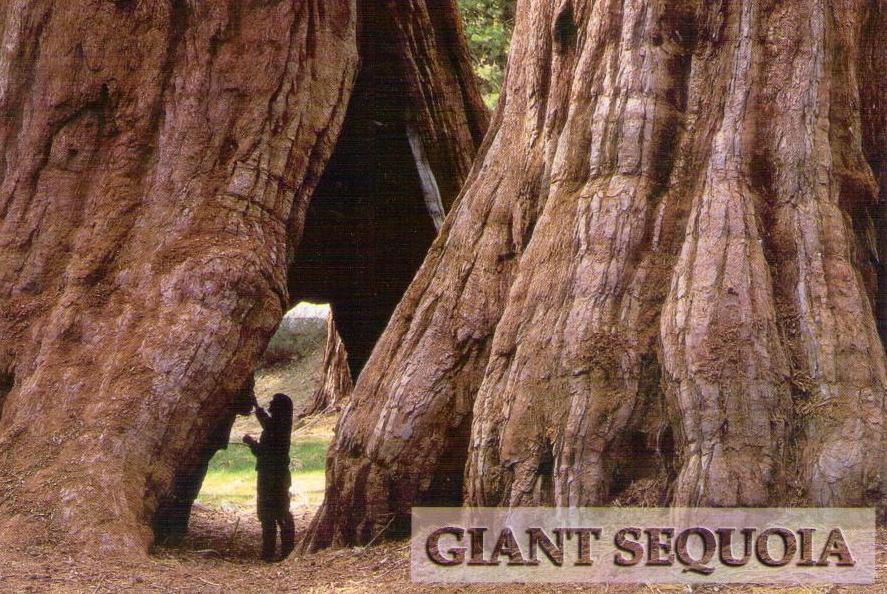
(664, 266)
(336, 384)
(157, 162)
(153, 154)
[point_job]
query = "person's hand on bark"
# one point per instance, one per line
(249, 440)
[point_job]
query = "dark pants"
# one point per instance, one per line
(274, 512)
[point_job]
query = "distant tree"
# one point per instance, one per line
(488, 25)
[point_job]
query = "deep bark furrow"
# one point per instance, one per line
(872, 76)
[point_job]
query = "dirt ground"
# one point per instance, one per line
(221, 555)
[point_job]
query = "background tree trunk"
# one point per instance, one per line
(663, 268)
(335, 388)
(158, 157)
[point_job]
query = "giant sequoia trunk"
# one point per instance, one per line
(157, 162)
(663, 270)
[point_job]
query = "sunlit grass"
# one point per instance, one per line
(231, 478)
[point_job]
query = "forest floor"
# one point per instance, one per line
(220, 554)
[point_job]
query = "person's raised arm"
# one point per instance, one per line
(263, 416)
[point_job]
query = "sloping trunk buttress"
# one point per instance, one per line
(668, 247)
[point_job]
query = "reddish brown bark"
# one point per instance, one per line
(669, 239)
(336, 384)
(158, 158)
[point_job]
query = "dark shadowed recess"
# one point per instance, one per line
(7, 380)
(367, 228)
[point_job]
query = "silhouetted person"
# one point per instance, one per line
(273, 467)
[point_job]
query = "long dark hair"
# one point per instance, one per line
(281, 410)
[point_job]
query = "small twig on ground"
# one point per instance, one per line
(378, 534)
(234, 534)
(387, 571)
(209, 583)
(208, 552)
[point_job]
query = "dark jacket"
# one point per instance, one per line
(272, 451)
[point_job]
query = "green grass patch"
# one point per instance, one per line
(231, 478)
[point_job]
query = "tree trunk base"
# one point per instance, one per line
(668, 247)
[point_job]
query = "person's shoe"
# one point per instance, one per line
(268, 555)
